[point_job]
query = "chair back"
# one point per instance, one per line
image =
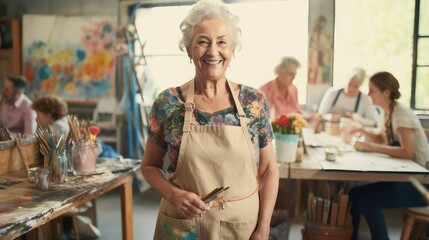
(105, 111)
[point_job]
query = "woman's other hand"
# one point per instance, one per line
(362, 146)
(260, 234)
(189, 204)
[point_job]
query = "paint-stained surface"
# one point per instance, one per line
(23, 206)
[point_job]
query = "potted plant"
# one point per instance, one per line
(286, 130)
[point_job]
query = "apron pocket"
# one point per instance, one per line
(237, 230)
(174, 229)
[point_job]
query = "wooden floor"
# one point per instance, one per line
(145, 211)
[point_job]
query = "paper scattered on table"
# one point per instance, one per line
(371, 162)
(323, 139)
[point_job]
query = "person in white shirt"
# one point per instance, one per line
(350, 102)
(402, 136)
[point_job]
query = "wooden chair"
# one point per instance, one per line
(420, 214)
(105, 117)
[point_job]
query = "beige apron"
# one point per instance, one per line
(211, 157)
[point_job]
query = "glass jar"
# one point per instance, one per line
(41, 178)
(84, 158)
(58, 167)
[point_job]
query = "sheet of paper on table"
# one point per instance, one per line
(323, 140)
(371, 162)
(349, 159)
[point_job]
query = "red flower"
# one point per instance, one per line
(94, 130)
(282, 120)
(289, 124)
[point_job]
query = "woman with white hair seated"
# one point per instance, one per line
(350, 102)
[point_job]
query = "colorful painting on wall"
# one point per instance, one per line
(69, 56)
(321, 41)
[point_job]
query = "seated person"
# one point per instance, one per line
(350, 102)
(52, 110)
(281, 93)
(16, 113)
(282, 97)
(402, 136)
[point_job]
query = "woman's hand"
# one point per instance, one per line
(189, 204)
(260, 234)
(362, 146)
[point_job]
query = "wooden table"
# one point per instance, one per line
(311, 169)
(24, 207)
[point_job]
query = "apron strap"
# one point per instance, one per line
(189, 107)
(240, 112)
(336, 97)
(357, 101)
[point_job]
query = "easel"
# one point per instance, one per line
(137, 117)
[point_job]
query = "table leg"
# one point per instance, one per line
(127, 209)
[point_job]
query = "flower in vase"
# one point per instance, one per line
(289, 124)
(83, 132)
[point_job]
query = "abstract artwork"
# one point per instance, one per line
(69, 56)
(321, 41)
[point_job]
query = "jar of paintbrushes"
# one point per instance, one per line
(53, 148)
(84, 145)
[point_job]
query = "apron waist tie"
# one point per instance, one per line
(222, 198)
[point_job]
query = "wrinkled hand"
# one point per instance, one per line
(189, 204)
(361, 146)
(260, 235)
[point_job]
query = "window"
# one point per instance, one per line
(280, 29)
(375, 35)
(420, 98)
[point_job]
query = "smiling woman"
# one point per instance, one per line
(206, 128)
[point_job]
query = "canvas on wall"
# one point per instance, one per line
(69, 56)
(320, 50)
(321, 41)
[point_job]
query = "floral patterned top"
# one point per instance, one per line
(168, 111)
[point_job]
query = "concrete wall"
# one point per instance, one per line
(15, 8)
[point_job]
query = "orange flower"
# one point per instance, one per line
(289, 124)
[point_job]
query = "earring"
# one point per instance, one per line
(190, 60)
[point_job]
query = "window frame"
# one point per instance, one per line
(416, 38)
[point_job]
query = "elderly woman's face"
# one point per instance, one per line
(211, 48)
(287, 74)
(353, 86)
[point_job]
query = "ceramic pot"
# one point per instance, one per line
(286, 146)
